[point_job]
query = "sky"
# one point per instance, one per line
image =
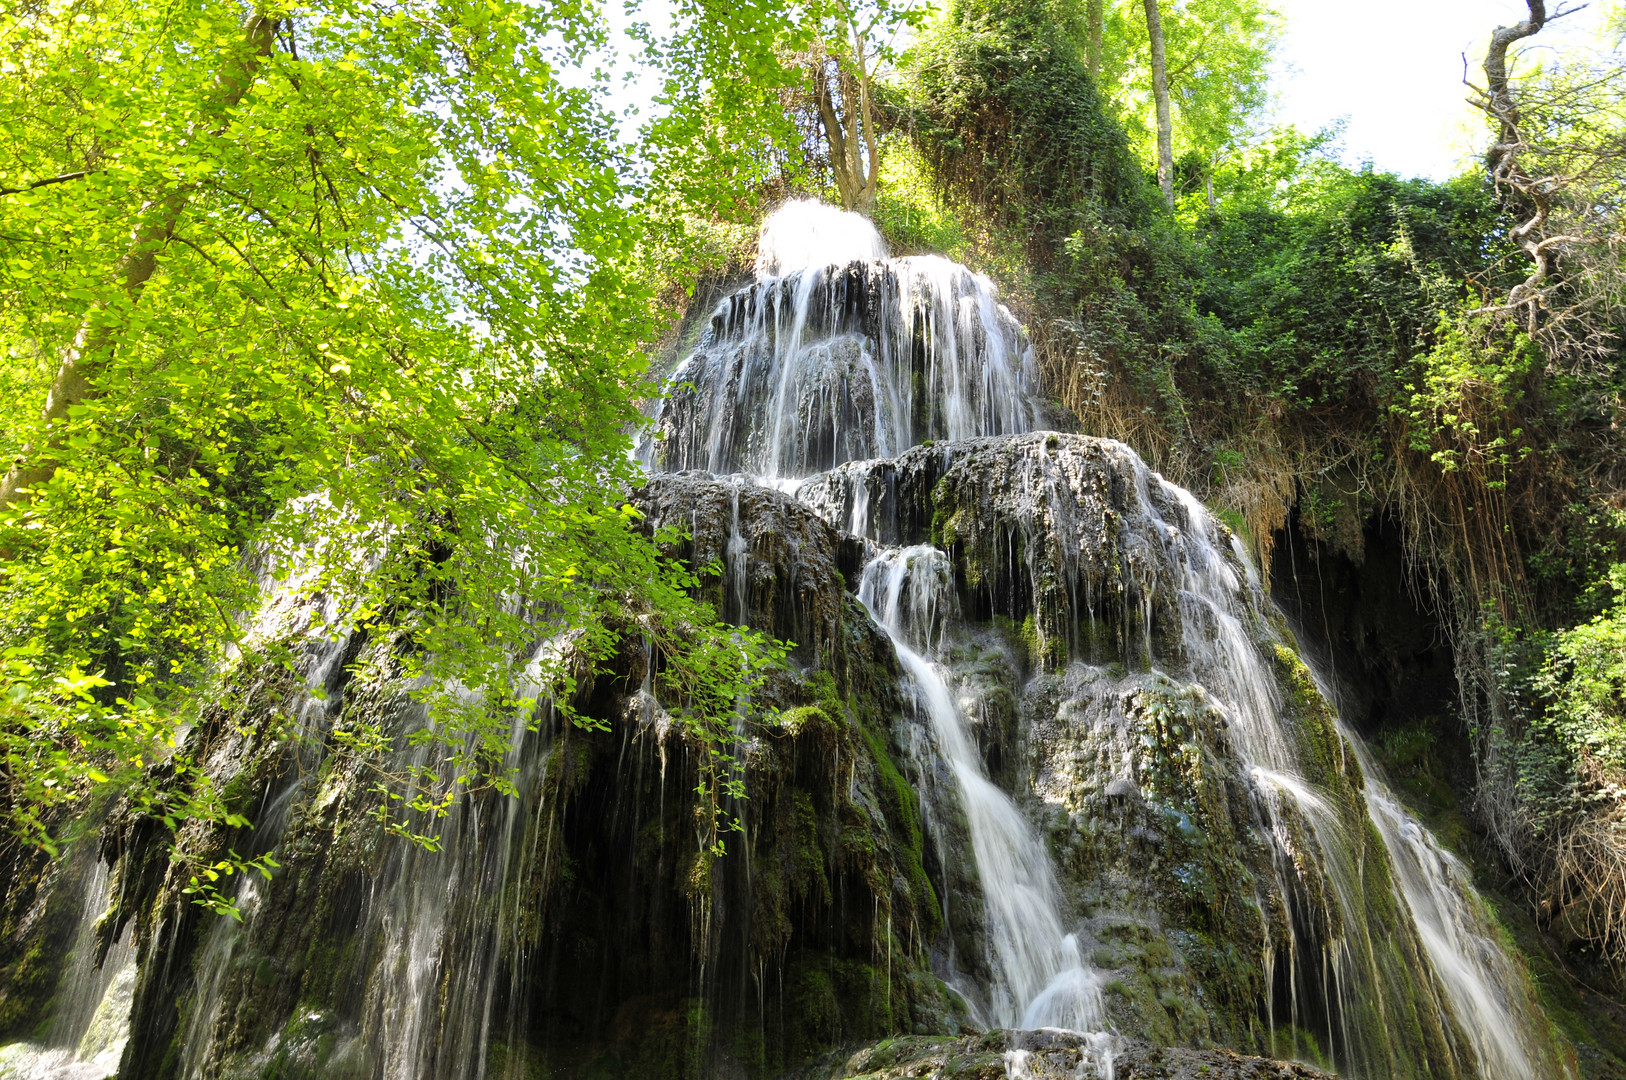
(1392, 69)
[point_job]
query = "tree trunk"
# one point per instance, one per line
(76, 377)
(865, 203)
(1508, 173)
(1160, 92)
(1094, 16)
(850, 130)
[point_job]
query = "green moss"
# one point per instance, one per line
(902, 808)
(795, 720)
(1296, 1044)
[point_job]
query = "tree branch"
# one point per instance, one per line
(48, 181)
(76, 377)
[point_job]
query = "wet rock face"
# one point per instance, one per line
(1124, 677)
(778, 567)
(1045, 1055)
(577, 928)
(1047, 527)
(1154, 831)
(591, 934)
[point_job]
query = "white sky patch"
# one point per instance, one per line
(1394, 68)
(633, 85)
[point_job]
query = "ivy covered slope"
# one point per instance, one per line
(1328, 357)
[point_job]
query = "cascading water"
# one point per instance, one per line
(1487, 993)
(1040, 978)
(859, 357)
(835, 358)
(1178, 839)
(1486, 990)
(91, 1022)
(840, 354)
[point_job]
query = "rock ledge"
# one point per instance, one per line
(1042, 1055)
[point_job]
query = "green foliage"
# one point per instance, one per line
(388, 351)
(1469, 387)
(204, 886)
(1581, 680)
(909, 211)
(999, 99)
(1218, 57)
(1331, 283)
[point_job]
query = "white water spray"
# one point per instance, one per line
(840, 355)
(804, 234)
(91, 1021)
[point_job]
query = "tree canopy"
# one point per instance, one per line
(344, 291)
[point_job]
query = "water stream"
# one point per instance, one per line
(1040, 978)
(798, 377)
(91, 1020)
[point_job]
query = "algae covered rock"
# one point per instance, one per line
(1060, 530)
(1149, 711)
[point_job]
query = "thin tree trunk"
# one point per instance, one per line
(866, 122)
(1507, 171)
(1094, 16)
(833, 132)
(855, 157)
(76, 377)
(1160, 92)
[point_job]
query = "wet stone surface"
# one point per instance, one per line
(1043, 1055)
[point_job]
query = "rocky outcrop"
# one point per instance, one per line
(1127, 678)
(579, 925)
(1044, 1055)
(1039, 752)
(1044, 527)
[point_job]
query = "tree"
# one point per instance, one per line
(1216, 67)
(1558, 160)
(339, 286)
(1160, 96)
(1094, 19)
(843, 64)
(76, 377)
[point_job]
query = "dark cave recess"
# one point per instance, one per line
(1362, 614)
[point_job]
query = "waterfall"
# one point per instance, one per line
(90, 1022)
(1040, 979)
(1144, 670)
(821, 363)
(819, 378)
(839, 354)
(1487, 992)
(1489, 996)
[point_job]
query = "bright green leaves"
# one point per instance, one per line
(1464, 409)
(1219, 52)
(208, 885)
(391, 336)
